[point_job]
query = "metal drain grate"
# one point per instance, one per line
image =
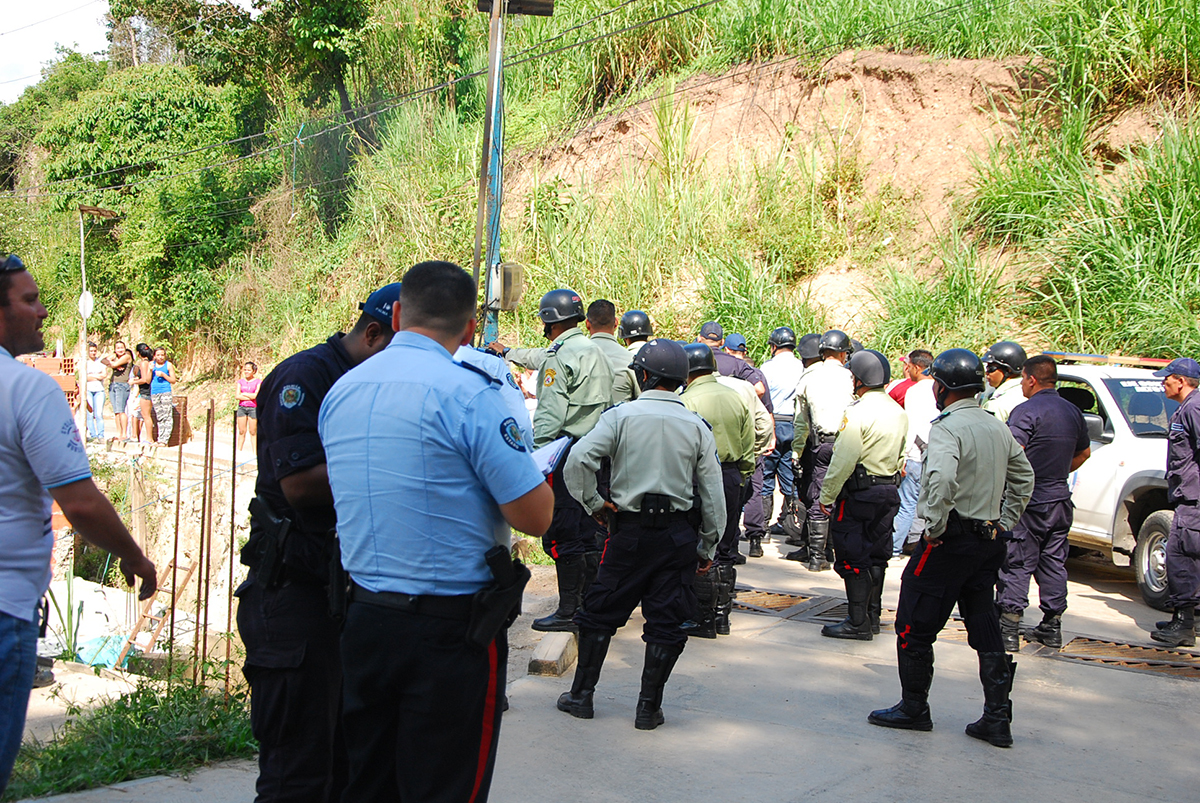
(1134, 657)
(750, 599)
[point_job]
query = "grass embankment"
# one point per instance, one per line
(149, 731)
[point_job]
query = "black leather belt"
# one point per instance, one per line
(439, 607)
(783, 417)
(892, 479)
(822, 437)
(628, 518)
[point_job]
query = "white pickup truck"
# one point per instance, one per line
(1120, 493)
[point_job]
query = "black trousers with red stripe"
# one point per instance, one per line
(651, 566)
(960, 570)
(422, 707)
(861, 528)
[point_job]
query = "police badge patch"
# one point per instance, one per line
(291, 396)
(512, 434)
(509, 378)
(549, 380)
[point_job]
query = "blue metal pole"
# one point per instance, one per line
(491, 181)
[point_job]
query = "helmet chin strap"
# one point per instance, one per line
(645, 379)
(940, 394)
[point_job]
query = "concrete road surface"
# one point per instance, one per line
(775, 712)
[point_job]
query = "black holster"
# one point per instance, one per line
(956, 525)
(498, 605)
(269, 568)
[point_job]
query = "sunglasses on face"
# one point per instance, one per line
(11, 264)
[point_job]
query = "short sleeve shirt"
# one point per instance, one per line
(40, 449)
(422, 451)
(1053, 431)
(509, 391)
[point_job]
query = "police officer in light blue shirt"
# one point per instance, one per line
(428, 469)
(497, 368)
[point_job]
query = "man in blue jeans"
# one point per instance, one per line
(922, 409)
(41, 456)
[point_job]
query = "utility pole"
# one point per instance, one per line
(491, 168)
(86, 304)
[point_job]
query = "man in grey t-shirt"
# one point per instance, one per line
(41, 456)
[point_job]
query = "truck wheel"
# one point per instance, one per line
(1150, 558)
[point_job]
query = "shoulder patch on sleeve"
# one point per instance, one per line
(845, 420)
(512, 434)
(479, 370)
(550, 375)
(508, 377)
(291, 396)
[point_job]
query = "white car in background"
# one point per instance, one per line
(1120, 492)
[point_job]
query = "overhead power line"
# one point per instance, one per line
(48, 19)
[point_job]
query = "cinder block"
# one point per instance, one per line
(554, 655)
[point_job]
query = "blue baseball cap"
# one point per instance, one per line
(379, 304)
(735, 342)
(711, 330)
(1184, 366)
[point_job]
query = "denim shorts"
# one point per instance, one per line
(118, 396)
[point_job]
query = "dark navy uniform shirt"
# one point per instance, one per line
(288, 402)
(729, 365)
(1053, 431)
(1183, 453)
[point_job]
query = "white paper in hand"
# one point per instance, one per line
(548, 457)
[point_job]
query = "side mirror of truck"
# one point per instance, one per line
(1096, 429)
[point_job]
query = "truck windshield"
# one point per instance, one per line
(1144, 404)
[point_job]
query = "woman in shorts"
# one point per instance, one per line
(140, 376)
(247, 409)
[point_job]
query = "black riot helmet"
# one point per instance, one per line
(782, 338)
(835, 340)
(855, 346)
(660, 359)
(809, 347)
(635, 323)
(957, 369)
(1005, 356)
(700, 358)
(870, 368)
(560, 305)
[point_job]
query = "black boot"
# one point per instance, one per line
(996, 672)
(1180, 631)
(591, 565)
(660, 660)
(793, 519)
(726, 579)
(756, 550)
(570, 571)
(912, 712)
(857, 624)
(1010, 630)
(704, 625)
(875, 604)
(1048, 631)
(818, 536)
(593, 646)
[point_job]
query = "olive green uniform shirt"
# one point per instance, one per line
(874, 432)
(574, 387)
(625, 387)
(729, 417)
(656, 446)
(975, 466)
(764, 422)
(1006, 398)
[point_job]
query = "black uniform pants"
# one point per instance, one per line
(293, 665)
(820, 456)
(861, 528)
(735, 487)
(752, 511)
(1183, 558)
(572, 531)
(652, 566)
(1038, 549)
(960, 570)
(422, 707)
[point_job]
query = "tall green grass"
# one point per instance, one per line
(1124, 275)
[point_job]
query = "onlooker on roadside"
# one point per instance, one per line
(40, 457)
(247, 411)
(921, 408)
(162, 377)
(96, 372)
(121, 363)
(140, 376)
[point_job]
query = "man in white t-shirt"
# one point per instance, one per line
(922, 409)
(41, 456)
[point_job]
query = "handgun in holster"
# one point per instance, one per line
(339, 580)
(498, 605)
(275, 529)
